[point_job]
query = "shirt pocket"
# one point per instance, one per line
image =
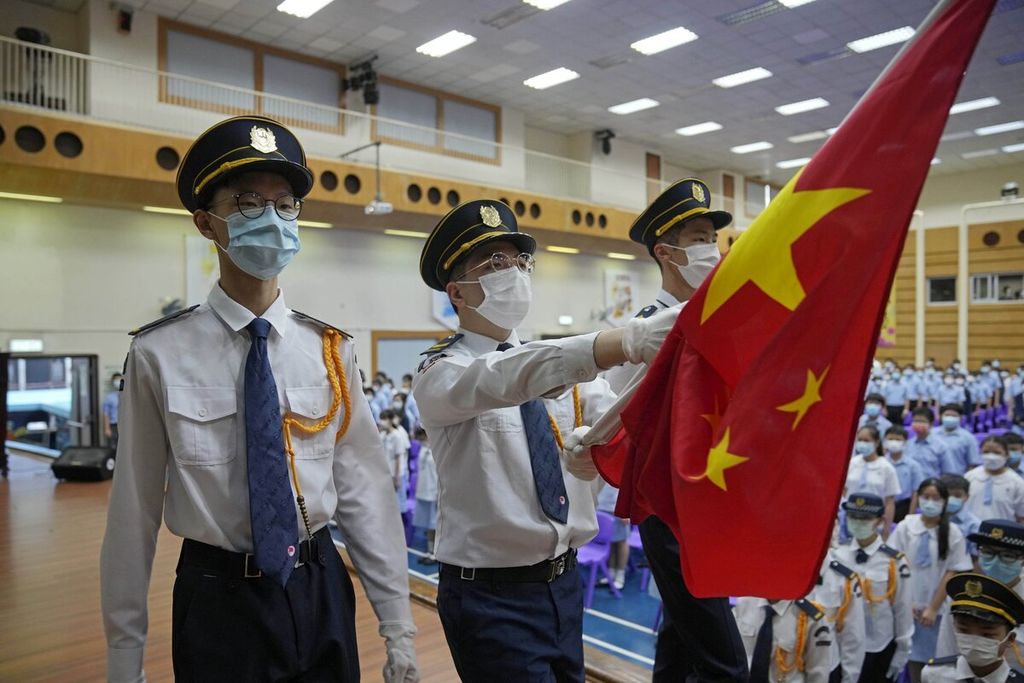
(310, 405)
(501, 420)
(201, 424)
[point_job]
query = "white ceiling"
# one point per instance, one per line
(582, 31)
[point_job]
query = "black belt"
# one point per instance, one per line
(243, 565)
(542, 572)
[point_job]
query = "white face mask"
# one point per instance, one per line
(861, 529)
(701, 259)
(978, 650)
(894, 445)
(507, 297)
(993, 462)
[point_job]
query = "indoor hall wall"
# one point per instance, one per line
(945, 194)
(67, 29)
(84, 276)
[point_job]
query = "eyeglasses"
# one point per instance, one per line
(253, 204)
(989, 554)
(501, 261)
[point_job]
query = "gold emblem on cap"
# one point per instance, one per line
(698, 193)
(996, 534)
(262, 140)
(489, 215)
(973, 589)
(859, 502)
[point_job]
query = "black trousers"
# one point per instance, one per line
(902, 509)
(228, 628)
(698, 641)
(895, 414)
(876, 665)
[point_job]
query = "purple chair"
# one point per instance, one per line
(595, 555)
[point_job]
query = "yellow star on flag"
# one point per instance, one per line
(811, 395)
(719, 460)
(764, 254)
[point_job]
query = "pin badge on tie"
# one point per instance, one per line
(291, 551)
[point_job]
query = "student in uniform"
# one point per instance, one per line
(949, 391)
(959, 492)
(396, 446)
(110, 402)
(510, 515)
(996, 491)
(884, 574)
(869, 472)
(1015, 451)
(907, 470)
(785, 640)
(425, 514)
(872, 415)
(897, 396)
(960, 443)
(936, 551)
(241, 426)
(925, 449)
(985, 614)
(839, 593)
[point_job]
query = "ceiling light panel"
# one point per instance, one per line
(664, 41)
(808, 137)
(972, 105)
(634, 106)
(802, 106)
(699, 128)
(446, 44)
(999, 128)
(302, 8)
(793, 163)
(880, 40)
(751, 147)
(545, 4)
(980, 153)
(551, 78)
(741, 77)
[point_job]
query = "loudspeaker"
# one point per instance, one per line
(124, 20)
(84, 463)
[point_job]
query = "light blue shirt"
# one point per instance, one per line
(909, 474)
(950, 393)
(968, 523)
(931, 456)
(881, 423)
(895, 393)
(1016, 385)
(110, 403)
(962, 447)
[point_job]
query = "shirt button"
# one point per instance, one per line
(315, 411)
(201, 412)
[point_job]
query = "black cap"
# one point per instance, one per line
(682, 201)
(865, 504)
(242, 144)
(982, 597)
(999, 532)
(463, 229)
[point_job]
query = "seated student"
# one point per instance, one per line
(996, 492)
(873, 413)
(1015, 449)
(985, 614)
(785, 640)
(424, 516)
(841, 597)
(869, 472)
(967, 521)
(925, 449)
(936, 551)
(1000, 544)
(884, 573)
(960, 443)
(907, 471)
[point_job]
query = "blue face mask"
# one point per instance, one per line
(954, 505)
(1014, 460)
(950, 422)
(1000, 569)
(872, 410)
(931, 508)
(263, 246)
(863, 447)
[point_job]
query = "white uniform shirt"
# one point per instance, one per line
(1007, 495)
(182, 453)
(396, 446)
(816, 648)
(469, 396)
(883, 621)
(426, 476)
(848, 644)
(878, 477)
(961, 673)
(924, 581)
(946, 644)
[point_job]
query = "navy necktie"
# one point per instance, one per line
(547, 470)
(862, 556)
(761, 662)
(275, 530)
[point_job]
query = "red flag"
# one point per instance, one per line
(764, 373)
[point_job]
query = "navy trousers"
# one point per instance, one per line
(227, 628)
(698, 641)
(523, 632)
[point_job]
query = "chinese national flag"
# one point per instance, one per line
(739, 437)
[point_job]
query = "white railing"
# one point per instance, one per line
(86, 86)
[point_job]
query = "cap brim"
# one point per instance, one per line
(297, 175)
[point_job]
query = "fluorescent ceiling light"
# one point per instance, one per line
(634, 106)
(1009, 149)
(563, 250)
(408, 233)
(794, 3)
(971, 105)
(621, 257)
(545, 4)
(446, 44)
(167, 209)
(831, 131)
(878, 40)
(793, 163)
(664, 41)
(31, 197)
(808, 137)
(802, 106)
(302, 8)
(741, 77)
(936, 160)
(751, 147)
(979, 153)
(960, 135)
(698, 128)
(999, 128)
(550, 78)
(314, 224)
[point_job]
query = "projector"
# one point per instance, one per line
(378, 208)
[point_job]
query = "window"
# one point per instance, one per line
(990, 288)
(941, 290)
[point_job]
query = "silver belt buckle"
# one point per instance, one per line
(557, 568)
(251, 571)
(467, 574)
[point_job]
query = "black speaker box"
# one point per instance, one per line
(84, 463)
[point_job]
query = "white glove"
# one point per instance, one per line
(643, 336)
(893, 672)
(577, 456)
(401, 664)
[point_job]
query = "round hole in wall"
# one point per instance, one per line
(534, 210)
(991, 238)
(68, 144)
(576, 217)
(29, 139)
(453, 198)
(590, 219)
(1020, 236)
(3, 135)
(353, 184)
(602, 221)
(520, 207)
(167, 158)
(434, 195)
(329, 180)
(414, 192)
(505, 201)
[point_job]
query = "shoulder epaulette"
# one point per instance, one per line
(647, 311)
(813, 611)
(319, 323)
(943, 661)
(842, 570)
(442, 345)
(891, 552)
(162, 321)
